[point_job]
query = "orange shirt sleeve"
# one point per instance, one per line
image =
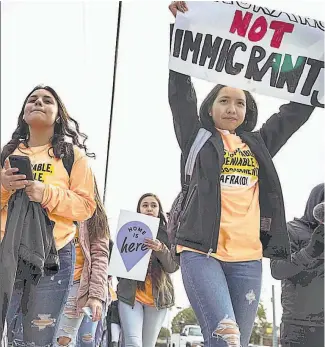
(5, 196)
(76, 203)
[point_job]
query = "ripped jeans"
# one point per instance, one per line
(77, 329)
(224, 297)
(40, 306)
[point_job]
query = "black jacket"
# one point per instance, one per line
(27, 251)
(199, 227)
(112, 317)
(164, 296)
(302, 278)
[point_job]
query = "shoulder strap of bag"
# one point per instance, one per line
(201, 138)
(68, 163)
(69, 160)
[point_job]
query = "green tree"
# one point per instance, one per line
(164, 333)
(260, 326)
(184, 317)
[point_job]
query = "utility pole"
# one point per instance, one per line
(274, 330)
(119, 15)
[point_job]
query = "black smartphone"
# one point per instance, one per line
(23, 164)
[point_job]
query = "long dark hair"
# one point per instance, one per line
(250, 117)
(155, 270)
(98, 224)
(161, 214)
(62, 130)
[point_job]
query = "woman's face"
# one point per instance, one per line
(229, 109)
(41, 109)
(149, 206)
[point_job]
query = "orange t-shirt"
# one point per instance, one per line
(65, 198)
(112, 292)
(239, 233)
(80, 259)
(145, 297)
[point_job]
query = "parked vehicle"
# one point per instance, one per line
(191, 336)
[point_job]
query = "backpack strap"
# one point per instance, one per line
(68, 160)
(202, 137)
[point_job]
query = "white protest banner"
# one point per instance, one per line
(251, 47)
(130, 257)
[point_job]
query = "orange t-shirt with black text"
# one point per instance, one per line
(66, 199)
(239, 233)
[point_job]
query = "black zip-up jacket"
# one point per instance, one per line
(302, 278)
(199, 226)
(27, 250)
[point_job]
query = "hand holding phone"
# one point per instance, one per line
(23, 164)
(11, 179)
(88, 312)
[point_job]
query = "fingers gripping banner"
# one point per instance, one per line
(251, 47)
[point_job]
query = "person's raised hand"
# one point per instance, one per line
(177, 6)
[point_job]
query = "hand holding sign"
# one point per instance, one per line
(177, 6)
(135, 240)
(155, 245)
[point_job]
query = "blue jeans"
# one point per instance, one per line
(224, 297)
(141, 324)
(77, 328)
(42, 305)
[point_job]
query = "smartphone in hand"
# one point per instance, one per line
(23, 164)
(88, 312)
